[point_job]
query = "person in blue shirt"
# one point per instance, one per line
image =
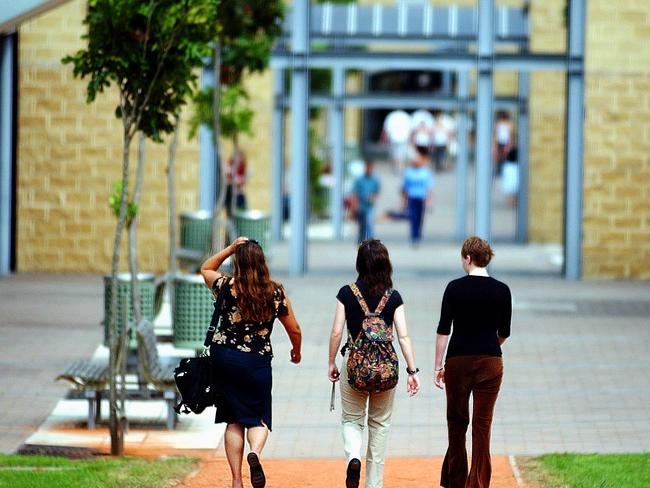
(417, 191)
(366, 189)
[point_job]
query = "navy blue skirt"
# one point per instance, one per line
(244, 380)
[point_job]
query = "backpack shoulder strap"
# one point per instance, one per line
(384, 301)
(360, 299)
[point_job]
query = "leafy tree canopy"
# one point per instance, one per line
(150, 50)
(249, 28)
(236, 116)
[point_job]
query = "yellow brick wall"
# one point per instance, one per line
(69, 153)
(546, 119)
(617, 140)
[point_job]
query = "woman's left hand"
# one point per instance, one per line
(413, 384)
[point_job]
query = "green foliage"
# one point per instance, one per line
(590, 470)
(317, 194)
(150, 50)
(236, 116)
(249, 28)
(115, 200)
(98, 473)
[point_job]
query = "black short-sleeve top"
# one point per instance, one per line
(235, 332)
(354, 313)
(479, 308)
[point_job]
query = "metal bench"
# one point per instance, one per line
(155, 373)
(90, 379)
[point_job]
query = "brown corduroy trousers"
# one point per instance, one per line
(479, 376)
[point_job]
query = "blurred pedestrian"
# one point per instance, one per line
(422, 135)
(417, 191)
(366, 190)
(235, 182)
(510, 177)
(440, 135)
(503, 138)
(372, 292)
(396, 132)
(478, 308)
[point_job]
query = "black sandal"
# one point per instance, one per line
(353, 474)
(258, 480)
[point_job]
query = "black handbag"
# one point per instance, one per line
(195, 376)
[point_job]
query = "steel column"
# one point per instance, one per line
(484, 119)
(6, 149)
(337, 135)
(277, 157)
(207, 179)
(462, 158)
(299, 137)
(445, 88)
(521, 231)
(574, 141)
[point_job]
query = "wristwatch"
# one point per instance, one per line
(417, 370)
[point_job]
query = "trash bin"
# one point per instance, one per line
(196, 231)
(147, 291)
(193, 307)
(254, 224)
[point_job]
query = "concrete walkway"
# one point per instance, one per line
(577, 366)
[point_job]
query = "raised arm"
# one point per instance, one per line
(211, 265)
(335, 341)
(293, 331)
(399, 320)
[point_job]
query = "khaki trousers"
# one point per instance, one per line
(379, 410)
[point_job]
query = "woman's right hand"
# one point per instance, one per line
(333, 373)
(238, 242)
(439, 378)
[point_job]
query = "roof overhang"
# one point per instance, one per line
(15, 12)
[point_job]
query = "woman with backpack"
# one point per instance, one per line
(370, 308)
(241, 351)
(478, 308)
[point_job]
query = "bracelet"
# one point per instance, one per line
(411, 373)
(439, 369)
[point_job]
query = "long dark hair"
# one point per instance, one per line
(253, 284)
(373, 266)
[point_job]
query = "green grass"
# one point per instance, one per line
(96, 473)
(588, 470)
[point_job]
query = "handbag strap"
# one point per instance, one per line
(216, 315)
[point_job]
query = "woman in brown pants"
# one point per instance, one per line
(479, 309)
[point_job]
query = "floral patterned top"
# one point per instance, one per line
(234, 332)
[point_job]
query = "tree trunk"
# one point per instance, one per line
(217, 243)
(171, 189)
(132, 227)
(117, 435)
(234, 172)
(133, 231)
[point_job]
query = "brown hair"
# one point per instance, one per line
(373, 266)
(253, 285)
(478, 250)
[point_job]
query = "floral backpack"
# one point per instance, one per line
(372, 364)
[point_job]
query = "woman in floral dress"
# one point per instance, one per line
(241, 351)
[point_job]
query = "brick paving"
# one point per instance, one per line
(577, 366)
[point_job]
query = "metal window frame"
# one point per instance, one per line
(485, 61)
